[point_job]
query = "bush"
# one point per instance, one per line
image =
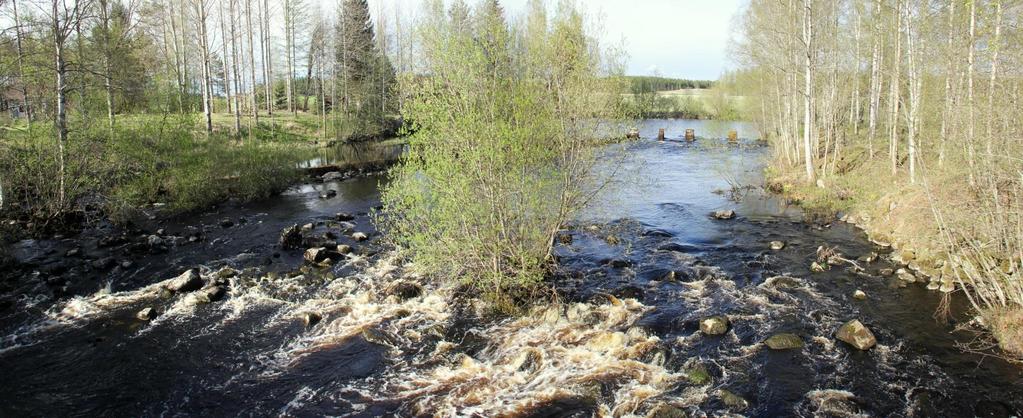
(502, 150)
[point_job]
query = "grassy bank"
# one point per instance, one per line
(936, 226)
(690, 103)
(161, 163)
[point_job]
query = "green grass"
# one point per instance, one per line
(166, 160)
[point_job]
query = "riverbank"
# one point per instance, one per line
(149, 166)
(910, 219)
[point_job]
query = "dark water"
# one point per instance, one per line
(375, 352)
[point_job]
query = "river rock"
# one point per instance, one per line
(73, 252)
(886, 272)
(344, 217)
(784, 341)
(332, 176)
(781, 281)
(317, 255)
(359, 236)
(818, 267)
(777, 245)
(311, 318)
(210, 294)
(328, 194)
(868, 258)
(905, 275)
(715, 325)
(666, 410)
(404, 290)
(146, 314)
(723, 214)
(732, 401)
(859, 295)
(857, 335)
(226, 223)
(154, 240)
(308, 227)
(697, 374)
(291, 238)
(344, 249)
(186, 282)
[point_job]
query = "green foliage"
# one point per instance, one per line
(641, 84)
(366, 75)
(503, 146)
(147, 160)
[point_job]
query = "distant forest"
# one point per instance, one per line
(650, 83)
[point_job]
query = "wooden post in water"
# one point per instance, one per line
(733, 137)
(660, 135)
(690, 135)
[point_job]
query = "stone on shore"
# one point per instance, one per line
(857, 335)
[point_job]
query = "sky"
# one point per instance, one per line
(671, 38)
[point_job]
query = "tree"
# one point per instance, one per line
(808, 88)
(201, 10)
(502, 155)
(365, 70)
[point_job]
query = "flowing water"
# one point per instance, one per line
(639, 273)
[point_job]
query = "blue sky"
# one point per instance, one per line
(674, 38)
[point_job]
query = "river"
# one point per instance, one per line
(639, 273)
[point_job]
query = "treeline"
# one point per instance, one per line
(90, 88)
(918, 101)
(241, 57)
(642, 84)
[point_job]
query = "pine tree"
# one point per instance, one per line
(363, 68)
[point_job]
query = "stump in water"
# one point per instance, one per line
(660, 134)
(690, 135)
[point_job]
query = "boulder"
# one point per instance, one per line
(311, 318)
(723, 214)
(777, 245)
(291, 238)
(154, 240)
(146, 314)
(359, 236)
(666, 410)
(318, 254)
(856, 334)
(905, 275)
(332, 176)
(859, 295)
(714, 325)
(732, 401)
(784, 341)
(308, 227)
(404, 290)
(210, 294)
(186, 282)
(344, 217)
(344, 249)
(226, 223)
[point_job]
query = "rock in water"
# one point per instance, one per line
(311, 318)
(186, 282)
(359, 236)
(715, 325)
(154, 240)
(104, 263)
(333, 175)
(405, 290)
(666, 410)
(784, 341)
(211, 294)
(905, 276)
(226, 223)
(318, 254)
(818, 267)
(859, 295)
(330, 193)
(344, 217)
(344, 249)
(857, 335)
(146, 314)
(723, 214)
(777, 245)
(732, 401)
(291, 238)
